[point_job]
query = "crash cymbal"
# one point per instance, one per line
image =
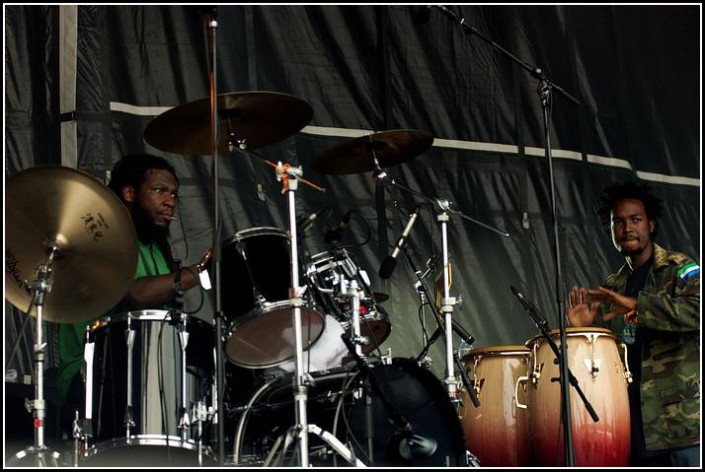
(95, 258)
(356, 155)
(255, 119)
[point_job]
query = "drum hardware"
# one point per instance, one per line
(43, 238)
(43, 456)
(327, 274)
(454, 355)
(289, 177)
(374, 153)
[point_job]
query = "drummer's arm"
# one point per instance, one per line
(154, 291)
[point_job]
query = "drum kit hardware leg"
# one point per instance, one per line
(299, 432)
(39, 453)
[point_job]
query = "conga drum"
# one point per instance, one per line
(593, 357)
(495, 431)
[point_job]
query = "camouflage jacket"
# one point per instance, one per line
(668, 314)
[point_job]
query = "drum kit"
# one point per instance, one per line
(75, 241)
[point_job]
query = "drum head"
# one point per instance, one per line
(409, 395)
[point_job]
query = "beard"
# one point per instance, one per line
(632, 252)
(144, 224)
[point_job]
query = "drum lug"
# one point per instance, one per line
(522, 379)
(593, 367)
(627, 372)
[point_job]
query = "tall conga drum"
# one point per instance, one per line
(495, 431)
(594, 358)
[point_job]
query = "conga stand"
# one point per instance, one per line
(300, 431)
(43, 456)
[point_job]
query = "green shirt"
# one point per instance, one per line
(72, 336)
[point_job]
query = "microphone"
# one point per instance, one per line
(422, 14)
(528, 306)
(462, 332)
(390, 262)
(412, 446)
(331, 235)
(459, 330)
(305, 223)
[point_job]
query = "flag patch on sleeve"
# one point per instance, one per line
(688, 271)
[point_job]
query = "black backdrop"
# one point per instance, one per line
(82, 83)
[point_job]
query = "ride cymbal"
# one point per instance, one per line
(357, 155)
(72, 215)
(247, 120)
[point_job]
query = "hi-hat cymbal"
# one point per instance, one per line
(357, 155)
(72, 215)
(249, 119)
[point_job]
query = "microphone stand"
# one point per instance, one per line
(544, 91)
(219, 416)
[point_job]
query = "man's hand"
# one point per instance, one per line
(621, 304)
(583, 309)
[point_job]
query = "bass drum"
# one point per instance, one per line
(409, 413)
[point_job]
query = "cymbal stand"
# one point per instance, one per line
(447, 302)
(465, 336)
(44, 457)
(289, 177)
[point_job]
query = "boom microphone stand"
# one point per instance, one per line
(544, 91)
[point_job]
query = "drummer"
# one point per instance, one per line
(149, 188)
